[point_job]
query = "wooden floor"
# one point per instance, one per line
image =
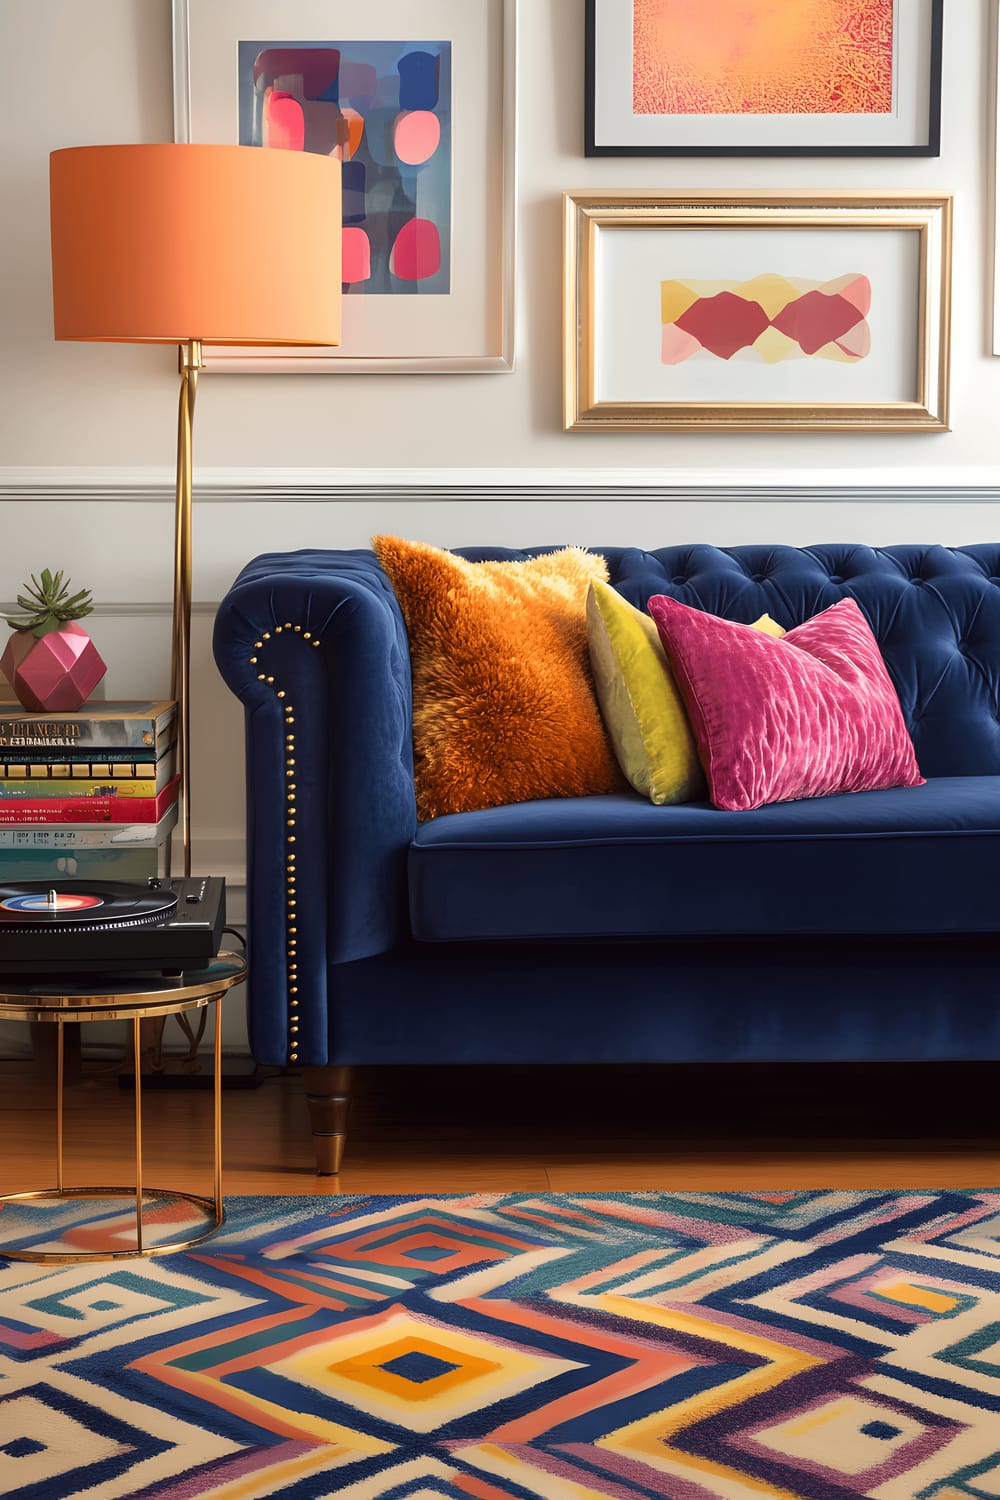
(497, 1129)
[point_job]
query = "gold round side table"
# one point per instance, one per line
(55, 1001)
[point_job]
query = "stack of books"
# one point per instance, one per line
(91, 794)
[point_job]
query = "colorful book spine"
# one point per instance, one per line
(136, 863)
(72, 836)
(18, 763)
(70, 788)
(88, 809)
(52, 779)
(118, 726)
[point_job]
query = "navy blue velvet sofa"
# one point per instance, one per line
(604, 929)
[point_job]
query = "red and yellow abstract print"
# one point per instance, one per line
(771, 318)
(762, 57)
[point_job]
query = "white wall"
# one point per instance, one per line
(80, 72)
(79, 421)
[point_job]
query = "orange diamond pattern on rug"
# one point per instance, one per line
(819, 1345)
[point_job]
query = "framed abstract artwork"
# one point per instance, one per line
(757, 312)
(763, 77)
(418, 103)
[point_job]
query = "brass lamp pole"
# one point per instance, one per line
(189, 363)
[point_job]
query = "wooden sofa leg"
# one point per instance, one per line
(328, 1094)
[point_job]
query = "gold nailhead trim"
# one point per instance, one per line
(290, 797)
(253, 661)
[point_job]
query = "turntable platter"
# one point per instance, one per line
(80, 904)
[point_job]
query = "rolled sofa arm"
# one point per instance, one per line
(314, 645)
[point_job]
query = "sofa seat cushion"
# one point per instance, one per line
(906, 860)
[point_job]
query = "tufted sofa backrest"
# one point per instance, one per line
(935, 612)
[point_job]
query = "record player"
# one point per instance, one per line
(165, 926)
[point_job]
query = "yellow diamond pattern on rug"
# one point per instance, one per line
(373, 1365)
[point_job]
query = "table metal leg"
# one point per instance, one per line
(137, 1050)
(217, 1131)
(60, 1077)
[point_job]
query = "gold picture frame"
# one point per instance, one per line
(631, 259)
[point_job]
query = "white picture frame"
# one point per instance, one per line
(468, 329)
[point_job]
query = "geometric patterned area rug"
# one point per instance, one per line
(587, 1346)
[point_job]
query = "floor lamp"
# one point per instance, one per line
(194, 245)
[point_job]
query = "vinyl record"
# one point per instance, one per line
(44, 904)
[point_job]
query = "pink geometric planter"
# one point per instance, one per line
(56, 674)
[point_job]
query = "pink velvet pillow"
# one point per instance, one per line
(774, 720)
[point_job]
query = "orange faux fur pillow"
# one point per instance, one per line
(503, 704)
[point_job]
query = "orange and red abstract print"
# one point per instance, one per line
(771, 318)
(762, 57)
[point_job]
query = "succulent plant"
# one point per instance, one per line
(48, 605)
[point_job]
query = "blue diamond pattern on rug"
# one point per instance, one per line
(819, 1345)
(418, 1367)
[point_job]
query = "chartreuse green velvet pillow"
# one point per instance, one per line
(642, 710)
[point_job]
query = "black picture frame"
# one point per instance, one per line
(932, 146)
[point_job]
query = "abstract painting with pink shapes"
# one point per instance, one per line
(384, 110)
(761, 57)
(769, 318)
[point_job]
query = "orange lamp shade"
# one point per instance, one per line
(166, 243)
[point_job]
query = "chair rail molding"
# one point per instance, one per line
(325, 485)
